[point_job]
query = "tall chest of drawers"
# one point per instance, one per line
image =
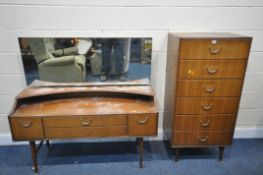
(204, 79)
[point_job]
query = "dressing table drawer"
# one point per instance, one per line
(85, 121)
(142, 125)
(212, 69)
(214, 48)
(26, 128)
(80, 132)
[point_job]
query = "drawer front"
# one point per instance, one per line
(198, 69)
(26, 128)
(191, 139)
(231, 88)
(206, 105)
(96, 132)
(85, 121)
(142, 125)
(210, 122)
(214, 49)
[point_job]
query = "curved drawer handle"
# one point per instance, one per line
(85, 123)
(212, 69)
(204, 124)
(203, 140)
(207, 107)
(26, 124)
(209, 89)
(214, 50)
(141, 122)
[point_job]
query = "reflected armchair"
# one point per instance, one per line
(61, 65)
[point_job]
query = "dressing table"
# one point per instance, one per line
(48, 111)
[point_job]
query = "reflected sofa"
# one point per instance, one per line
(62, 65)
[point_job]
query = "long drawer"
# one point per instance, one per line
(85, 121)
(206, 105)
(212, 69)
(231, 88)
(212, 122)
(214, 48)
(81, 132)
(192, 139)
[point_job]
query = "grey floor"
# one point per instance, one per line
(244, 157)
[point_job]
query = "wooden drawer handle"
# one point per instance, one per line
(214, 50)
(141, 122)
(204, 124)
(85, 123)
(203, 140)
(209, 89)
(207, 107)
(26, 124)
(212, 69)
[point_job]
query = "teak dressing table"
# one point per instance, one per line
(46, 111)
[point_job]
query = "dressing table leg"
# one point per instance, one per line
(47, 144)
(177, 154)
(140, 140)
(221, 152)
(34, 155)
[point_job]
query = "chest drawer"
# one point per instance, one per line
(26, 128)
(198, 69)
(206, 105)
(212, 122)
(214, 48)
(223, 88)
(191, 139)
(85, 121)
(142, 125)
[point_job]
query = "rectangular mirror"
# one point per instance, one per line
(86, 59)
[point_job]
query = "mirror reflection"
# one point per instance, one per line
(86, 59)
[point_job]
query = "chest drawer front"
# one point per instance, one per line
(215, 122)
(206, 105)
(201, 138)
(92, 132)
(142, 125)
(85, 121)
(214, 49)
(209, 87)
(211, 69)
(26, 128)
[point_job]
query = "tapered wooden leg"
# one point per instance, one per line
(177, 154)
(34, 155)
(221, 152)
(140, 140)
(47, 144)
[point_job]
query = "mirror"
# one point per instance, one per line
(86, 59)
